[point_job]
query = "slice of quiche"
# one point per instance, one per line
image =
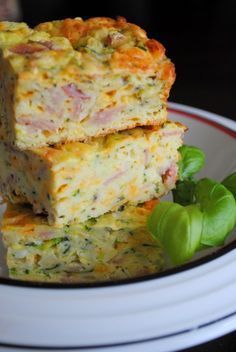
(73, 79)
(112, 247)
(76, 181)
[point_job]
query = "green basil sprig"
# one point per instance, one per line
(203, 214)
(192, 160)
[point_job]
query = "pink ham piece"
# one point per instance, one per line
(30, 48)
(78, 97)
(170, 176)
(171, 133)
(115, 39)
(55, 101)
(49, 45)
(73, 92)
(46, 235)
(35, 124)
(106, 116)
(113, 178)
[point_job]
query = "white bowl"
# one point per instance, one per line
(178, 308)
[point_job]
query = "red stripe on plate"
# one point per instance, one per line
(205, 120)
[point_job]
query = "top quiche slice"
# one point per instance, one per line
(74, 79)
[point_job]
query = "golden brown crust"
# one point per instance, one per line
(179, 124)
(135, 51)
(75, 28)
(153, 125)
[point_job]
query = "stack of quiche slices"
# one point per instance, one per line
(85, 146)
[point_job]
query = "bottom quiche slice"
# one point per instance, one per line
(77, 181)
(114, 246)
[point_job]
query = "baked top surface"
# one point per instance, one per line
(72, 79)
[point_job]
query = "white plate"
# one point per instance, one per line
(166, 312)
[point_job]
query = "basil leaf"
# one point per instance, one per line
(178, 228)
(183, 193)
(191, 161)
(219, 208)
(155, 217)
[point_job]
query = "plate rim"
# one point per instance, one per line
(132, 343)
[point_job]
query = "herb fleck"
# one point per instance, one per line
(75, 193)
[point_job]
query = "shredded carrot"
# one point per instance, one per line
(149, 205)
